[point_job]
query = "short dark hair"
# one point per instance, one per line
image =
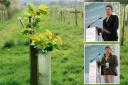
(110, 6)
(107, 47)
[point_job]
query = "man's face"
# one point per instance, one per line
(107, 50)
(108, 11)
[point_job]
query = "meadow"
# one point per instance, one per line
(67, 63)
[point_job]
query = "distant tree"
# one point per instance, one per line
(5, 2)
(124, 3)
(107, 0)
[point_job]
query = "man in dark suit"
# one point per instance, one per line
(110, 25)
(109, 63)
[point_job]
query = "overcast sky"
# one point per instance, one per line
(49, 0)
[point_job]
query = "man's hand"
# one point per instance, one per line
(106, 31)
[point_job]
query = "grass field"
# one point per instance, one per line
(67, 63)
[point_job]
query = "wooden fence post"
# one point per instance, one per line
(62, 17)
(76, 16)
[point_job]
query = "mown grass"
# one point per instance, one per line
(14, 66)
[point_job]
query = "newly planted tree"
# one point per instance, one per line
(41, 44)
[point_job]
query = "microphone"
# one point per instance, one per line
(95, 57)
(94, 21)
(100, 18)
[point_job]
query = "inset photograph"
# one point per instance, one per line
(101, 21)
(101, 64)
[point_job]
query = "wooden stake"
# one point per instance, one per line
(62, 18)
(34, 60)
(76, 16)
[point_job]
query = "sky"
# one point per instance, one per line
(48, 0)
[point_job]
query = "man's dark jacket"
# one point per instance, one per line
(111, 25)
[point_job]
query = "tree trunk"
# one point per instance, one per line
(127, 16)
(123, 27)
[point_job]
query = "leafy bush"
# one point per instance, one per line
(8, 44)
